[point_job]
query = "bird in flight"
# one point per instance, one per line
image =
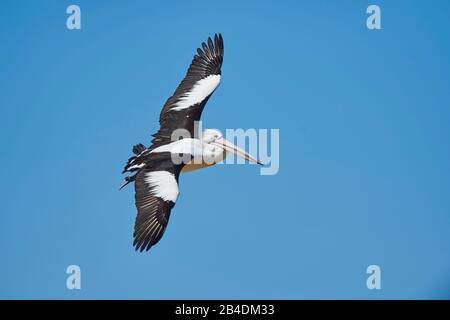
(156, 169)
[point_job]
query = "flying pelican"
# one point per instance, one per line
(157, 168)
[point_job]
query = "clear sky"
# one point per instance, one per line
(364, 149)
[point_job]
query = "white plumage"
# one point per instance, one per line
(202, 89)
(164, 185)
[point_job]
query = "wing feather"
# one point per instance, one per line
(185, 106)
(156, 194)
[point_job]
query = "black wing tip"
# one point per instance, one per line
(210, 55)
(212, 47)
(143, 243)
(218, 40)
(142, 246)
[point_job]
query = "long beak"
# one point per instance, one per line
(228, 146)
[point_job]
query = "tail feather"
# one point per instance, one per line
(126, 181)
(129, 162)
(138, 149)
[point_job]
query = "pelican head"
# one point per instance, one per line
(211, 135)
(215, 149)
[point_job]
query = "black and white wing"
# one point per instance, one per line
(156, 188)
(185, 106)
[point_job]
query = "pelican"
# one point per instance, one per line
(156, 169)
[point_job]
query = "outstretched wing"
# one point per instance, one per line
(156, 188)
(185, 106)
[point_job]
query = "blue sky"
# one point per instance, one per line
(364, 157)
